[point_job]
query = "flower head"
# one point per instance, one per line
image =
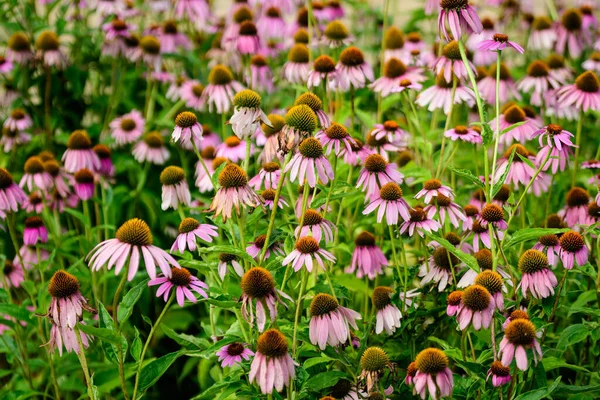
(330, 323)
(272, 367)
(460, 17)
(433, 374)
(234, 192)
(519, 335)
(258, 286)
(388, 315)
(233, 353)
(184, 282)
(537, 279)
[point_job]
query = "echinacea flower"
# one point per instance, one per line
(128, 128)
(394, 73)
(323, 71)
(367, 258)
(358, 154)
(84, 184)
(258, 286)
(247, 115)
(255, 248)
(67, 303)
(558, 144)
(150, 51)
(79, 153)
(454, 301)
(261, 76)
(543, 35)
(187, 129)
(19, 48)
(512, 115)
(508, 89)
(34, 203)
(450, 64)
(447, 209)
(345, 390)
(519, 172)
(232, 354)
(411, 372)
(189, 232)
(11, 195)
(439, 268)
(550, 246)
(225, 260)
(184, 282)
(175, 190)
(234, 192)
(305, 253)
(373, 364)
(272, 136)
(171, 38)
(316, 105)
(460, 17)
(330, 322)
(353, 71)
(583, 94)
(234, 149)
(296, 69)
(268, 196)
(247, 41)
(393, 44)
(13, 275)
(519, 313)
(499, 42)
(537, 279)
(569, 34)
(493, 282)
(419, 222)
(432, 188)
(390, 204)
(310, 164)
(492, 214)
(573, 250)
(500, 374)
(47, 47)
(316, 225)
(34, 231)
(222, 87)
(64, 336)
(559, 68)
(12, 138)
(391, 131)
(593, 62)
(268, 176)
(191, 93)
(388, 315)
(35, 176)
(376, 173)
(336, 34)
(18, 120)
(133, 239)
(151, 149)
(519, 335)
(575, 211)
(272, 367)
(439, 96)
(300, 123)
(539, 80)
(433, 375)
(107, 168)
(271, 24)
(463, 133)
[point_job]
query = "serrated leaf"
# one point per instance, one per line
(126, 305)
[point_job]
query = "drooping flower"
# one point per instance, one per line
(306, 252)
(67, 303)
(247, 115)
(34, 231)
(149, 48)
(390, 204)
(310, 164)
(316, 225)
(12, 138)
(35, 176)
(500, 374)
(460, 17)
(323, 71)
(367, 258)
(492, 281)
(256, 247)
(191, 93)
(222, 87)
(175, 190)
(465, 134)
(439, 96)
(550, 246)
(107, 168)
(450, 64)
(336, 34)
(508, 89)
(537, 278)
(511, 115)
(84, 184)
(272, 136)
(296, 69)
(543, 35)
(438, 268)
(189, 232)
(34, 203)
(394, 73)
(18, 120)
(433, 375)
(573, 249)
(558, 144)
(388, 315)
(133, 239)
(272, 367)
(376, 173)
(373, 364)
(583, 94)
(19, 48)
(353, 70)
(151, 149)
(519, 335)
(539, 80)
(569, 34)
(330, 322)
(454, 301)
(432, 188)
(11, 195)
(234, 192)
(233, 353)
(418, 222)
(13, 275)
(447, 209)
(494, 215)
(258, 286)
(79, 153)
(184, 282)
(64, 336)
(47, 47)
(575, 211)
(233, 149)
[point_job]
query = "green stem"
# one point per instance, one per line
(47, 105)
(447, 124)
(148, 340)
(577, 142)
(335, 163)
(120, 356)
(84, 366)
(497, 135)
(299, 309)
(393, 242)
(556, 300)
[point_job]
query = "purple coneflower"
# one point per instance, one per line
(558, 67)
(499, 42)
(234, 192)
(212, 163)
(493, 282)
(149, 50)
(367, 258)
(550, 246)
(67, 303)
(19, 48)
(107, 168)
(439, 96)
(35, 175)
(336, 139)
(151, 149)
(376, 173)
(419, 222)
(316, 105)
(261, 76)
(59, 177)
(47, 47)
(463, 133)
(575, 212)
(12, 138)
(268, 196)
(447, 209)
(11, 195)
(373, 364)
(519, 172)
(184, 282)
(247, 41)
(310, 164)
(388, 315)
(256, 247)
(34, 203)
(13, 275)
(18, 120)
(438, 268)
(219, 93)
(330, 323)
(336, 34)
(500, 374)
(133, 239)
(493, 214)
(569, 34)
(432, 188)
(514, 114)
(454, 301)
(306, 251)
(84, 184)
(226, 260)
(175, 190)
(170, 38)
(79, 153)
(232, 354)
(460, 17)
(234, 149)
(477, 308)
(189, 232)
(268, 176)
(450, 64)
(389, 202)
(593, 62)
(247, 115)
(187, 129)
(191, 93)
(519, 313)
(315, 225)
(543, 35)
(394, 45)
(573, 249)
(433, 375)
(295, 70)
(358, 154)
(300, 123)
(271, 25)
(323, 71)
(537, 279)
(519, 335)
(394, 73)
(583, 94)
(353, 70)
(539, 80)
(62, 335)
(258, 285)
(271, 135)
(272, 367)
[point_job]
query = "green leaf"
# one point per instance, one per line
(228, 250)
(572, 389)
(136, 346)
(468, 259)
(78, 215)
(513, 126)
(327, 379)
(105, 334)
(571, 335)
(523, 235)
(527, 161)
(152, 372)
(126, 306)
(551, 363)
(465, 173)
(110, 349)
(15, 311)
(311, 362)
(539, 394)
(182, 338)
(498, 185)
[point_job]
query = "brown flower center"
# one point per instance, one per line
(135, 232)
(532, 261)
(431, 361)
(257, 283)
(323, 304)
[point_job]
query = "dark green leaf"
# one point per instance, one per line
(571, 335)
(467, 174)
(468, 259)
(523, 235)
(129, 300)
(498, 185)
(327, 379)
(152, 372)
(539, 394)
